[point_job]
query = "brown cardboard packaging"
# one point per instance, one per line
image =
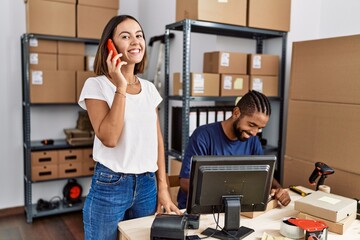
(274, 15)
(52, 86)
(114, 4)
(230, 11)
(92, 20)
(234, 85)
(71, 62)
(263, 64)
(341, 182)
(81, 77)
(70, 155)
(44, 172)
(44, 158)
(72, 169)
(316, 130)
(43, 61)
(336, 227)
(225, 62)
(326, 70)
(88, 168)
(42, 46)
(328, 206)
(87, 155)
(268, 85)
(271, 205)
(71, 48)
(201, 84)
(51, 17)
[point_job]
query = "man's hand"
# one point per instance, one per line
(282, 195)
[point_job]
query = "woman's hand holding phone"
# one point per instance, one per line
(114, 67)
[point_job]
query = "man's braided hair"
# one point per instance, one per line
(252, 102)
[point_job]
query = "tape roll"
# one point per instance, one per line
(289, 230)
(324, 188)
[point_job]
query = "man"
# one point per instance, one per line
(234, 136)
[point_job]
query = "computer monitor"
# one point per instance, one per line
(229, 184)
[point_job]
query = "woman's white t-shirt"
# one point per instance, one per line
(137, 149)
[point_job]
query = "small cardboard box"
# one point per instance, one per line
(87, 155)
(71, 62)
(201, 84)
(274, 15)
(71, 48)
(81, 77)
(263, 64)
(72, 169)
(43, 61)
(114, 4)
(234, 85)
(336, 227)
(42, 46)
(225, 62)
(328, 206)
(229, 11)
(44, 158)
(70, 155)
(268, 85)
(44, 172)
(52, 86)
(91, 20)
(51, 17)
(88, 168)
(271, 205)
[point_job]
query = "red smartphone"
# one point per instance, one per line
(111, 47)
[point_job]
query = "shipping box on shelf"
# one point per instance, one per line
(113, 4)
(234, 85)
(71, 48)
(273, 15)
(71, 62)
(263, 64)
(229, 12)
(42, 46)
(201, 84)
(268, 85)
(51, 17)
(225, 62)
(43, 61)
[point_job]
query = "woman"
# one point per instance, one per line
(128, 146)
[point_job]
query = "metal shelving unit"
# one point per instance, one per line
(28, 145)
(188, 26)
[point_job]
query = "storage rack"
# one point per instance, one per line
(28, 145)
(187, 26)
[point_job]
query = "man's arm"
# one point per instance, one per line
(184, 184)
(282, 195)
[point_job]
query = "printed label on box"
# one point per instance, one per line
(256, 62)
(329, 200)
(37, 78)
(227, 82)
(198, 83)
(257, 85)
(33, 42)
(238, 83)
(222, 1)
(34, 58)
(225, 59)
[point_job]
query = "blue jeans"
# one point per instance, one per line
(114, 197)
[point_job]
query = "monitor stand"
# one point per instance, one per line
(231, 228)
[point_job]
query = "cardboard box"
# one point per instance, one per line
(71, 62)
(326, 70)
(114, 4)
(268, 85)
(263, 64)
(230, 11)
(271, 205)
(43, 61)
(42, 46)
(52, 86)
(313, 129)
(201, 84)
(234, 85)
(70, 155)
(81, 77)
(44, 172)
(328, 206)
(341, 182)
(51, 17)
(274, 15)
(225, 62)
(88, 168)
(91, 21)
(71, 48)
(67, 170)
(87, 155)
(44, 158)
(336, 227)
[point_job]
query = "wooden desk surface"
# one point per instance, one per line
(269, 222)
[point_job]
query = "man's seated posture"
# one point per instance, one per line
(233, 136)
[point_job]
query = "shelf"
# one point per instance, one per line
(55, 179)
(62, 38)
(58, 144)
(217, 99)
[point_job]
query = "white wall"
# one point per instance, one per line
(309, 20)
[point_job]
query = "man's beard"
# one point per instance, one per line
(237, 132)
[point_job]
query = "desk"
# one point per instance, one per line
(139, 229)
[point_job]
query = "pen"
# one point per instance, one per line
(297, 190)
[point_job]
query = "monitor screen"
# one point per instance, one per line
(219, 181)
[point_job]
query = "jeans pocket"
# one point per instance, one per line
(105, 178)
(151, 175)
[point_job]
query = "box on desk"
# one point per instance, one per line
(328, 206)
(271, 205)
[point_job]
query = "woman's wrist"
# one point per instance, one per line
(121, 92)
